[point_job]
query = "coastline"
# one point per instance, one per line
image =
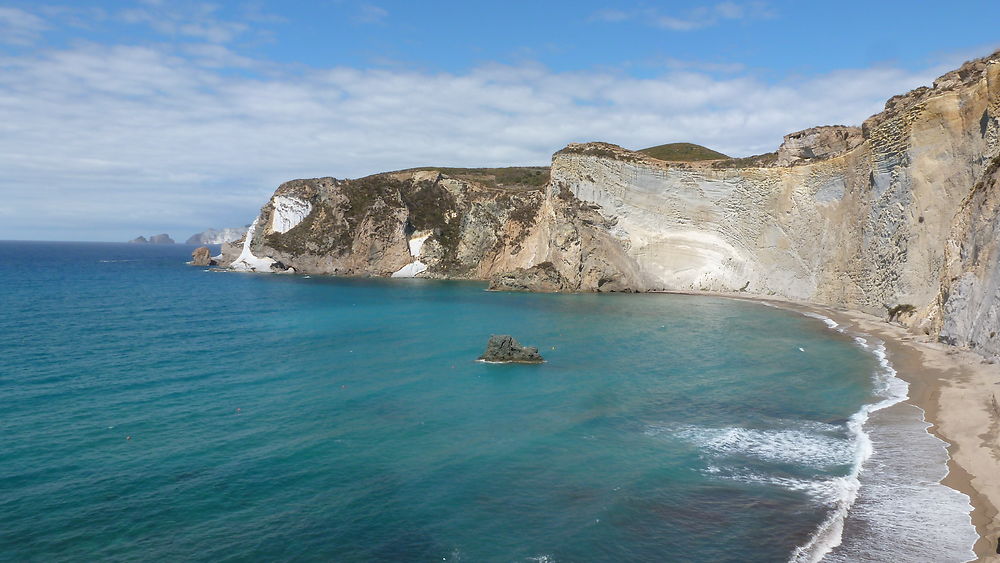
(955, 388)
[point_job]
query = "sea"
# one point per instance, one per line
(156, 411)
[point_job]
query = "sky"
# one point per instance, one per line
(122, 118)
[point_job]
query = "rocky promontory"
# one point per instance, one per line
(436, 223)
(894, 215)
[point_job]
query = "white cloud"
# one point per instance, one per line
(18, 27)
(370, 13)
(695, 18)
(199, 22)
(701, 66)
(102, 140)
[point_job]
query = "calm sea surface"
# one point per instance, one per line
(151, 410)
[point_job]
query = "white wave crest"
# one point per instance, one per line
(793, 446)
(891, 390)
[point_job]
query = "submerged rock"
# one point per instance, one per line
(202, 256)
(503, 348)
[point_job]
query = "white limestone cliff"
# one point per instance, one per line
(217, 236)
(870, 222)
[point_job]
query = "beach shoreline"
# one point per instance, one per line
(955, 388)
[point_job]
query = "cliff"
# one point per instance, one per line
(899, 217)
(425, 223)
(217, 236)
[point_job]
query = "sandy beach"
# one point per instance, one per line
(958, 390)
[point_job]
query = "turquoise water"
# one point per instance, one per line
(157, 411)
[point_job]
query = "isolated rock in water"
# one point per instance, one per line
(503, 348)
(139, 240)
(202, 256)
(161, 239)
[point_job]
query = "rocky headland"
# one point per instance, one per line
(448, 223)
(896, 216)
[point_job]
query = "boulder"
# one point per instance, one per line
(202, 256)
(504, 349)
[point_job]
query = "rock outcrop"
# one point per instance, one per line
(139, 240)
(899, 217)
(817, 143)
(202, 256)
(502, 348)
(542, 277)
(424, 223)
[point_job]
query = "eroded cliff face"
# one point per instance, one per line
(969, 303)
(427, 224)
(898, 218)
(886, 218)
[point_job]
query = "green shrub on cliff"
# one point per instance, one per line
(682, 152)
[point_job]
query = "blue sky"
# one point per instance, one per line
(122, 118)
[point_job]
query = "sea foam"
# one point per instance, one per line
(891, 390)
(893, 494)
(819, 450)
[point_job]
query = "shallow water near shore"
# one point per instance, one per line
(153, 410)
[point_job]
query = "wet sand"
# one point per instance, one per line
(957, 390)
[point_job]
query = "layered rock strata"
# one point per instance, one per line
(900, 218)
(424, 223)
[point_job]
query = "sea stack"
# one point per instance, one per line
(502, 348)
(202, 256)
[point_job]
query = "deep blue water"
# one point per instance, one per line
(151, 410)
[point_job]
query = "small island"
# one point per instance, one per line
(155, 239)
(502, 348)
